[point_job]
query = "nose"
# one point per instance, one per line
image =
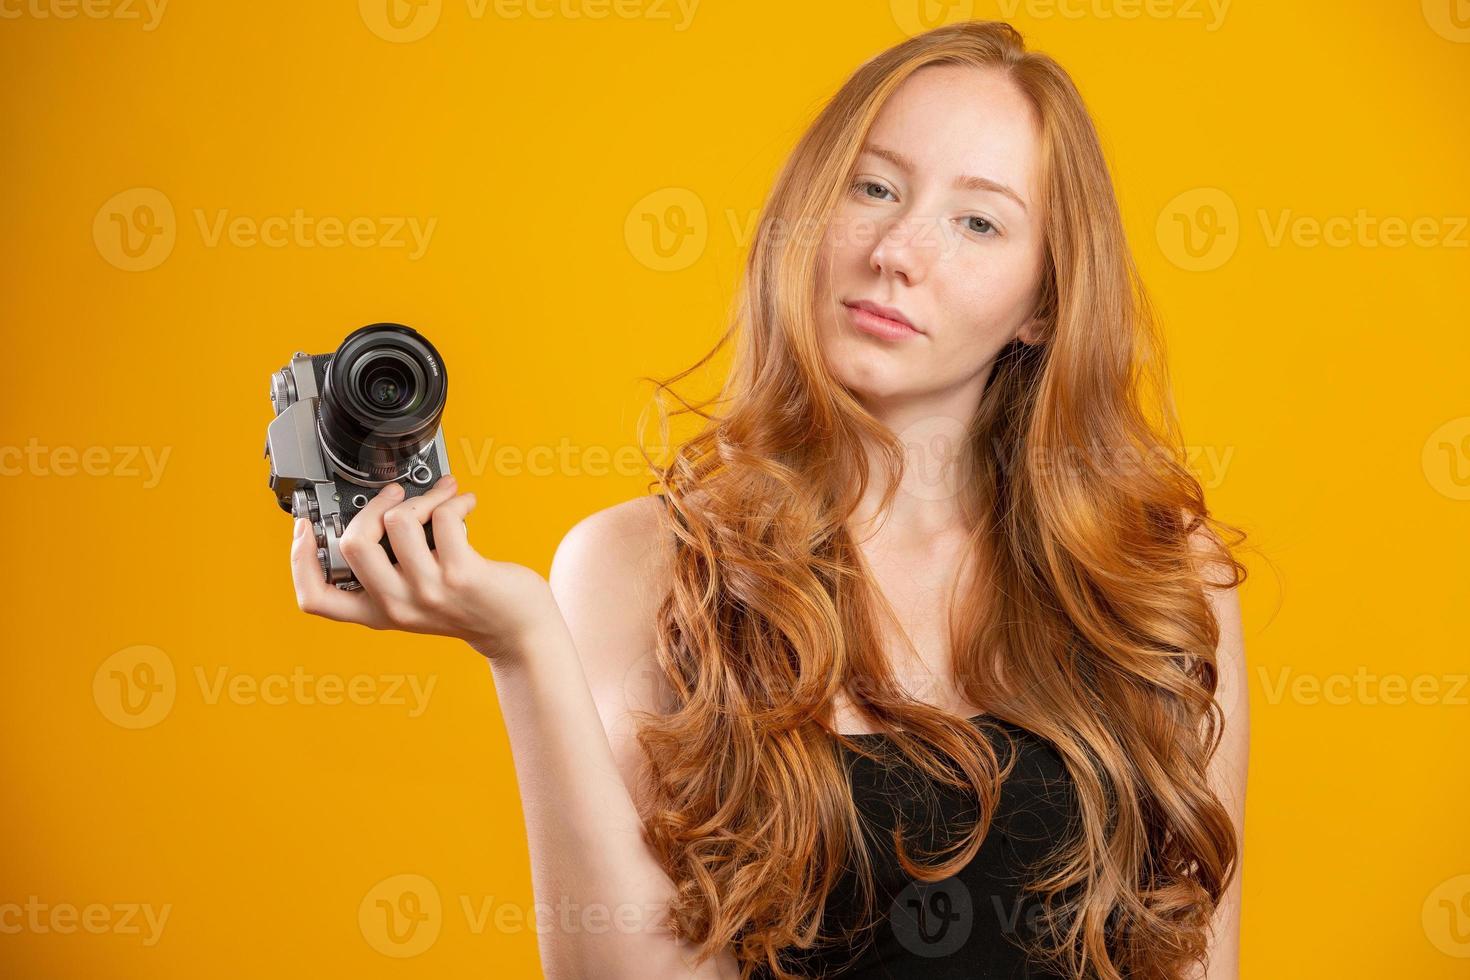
(902, 250)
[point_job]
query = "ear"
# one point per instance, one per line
(1030, 333)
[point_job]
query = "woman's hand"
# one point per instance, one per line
(449, 591)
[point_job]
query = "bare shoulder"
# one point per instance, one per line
(1221, 590)
(611, 543)
(609, 575)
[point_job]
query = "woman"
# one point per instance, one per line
(924, 662)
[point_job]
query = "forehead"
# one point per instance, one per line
(956, 119)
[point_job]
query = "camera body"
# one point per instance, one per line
(351, 422)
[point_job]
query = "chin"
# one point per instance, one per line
(869, 371)
(870, 381)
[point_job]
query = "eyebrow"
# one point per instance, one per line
(964, 182)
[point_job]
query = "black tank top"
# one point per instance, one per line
(967, 926)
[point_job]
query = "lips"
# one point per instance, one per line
(886, 312)
(876, 325)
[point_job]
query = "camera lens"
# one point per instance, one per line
(385, 392)
(390, 383)
(381, 401)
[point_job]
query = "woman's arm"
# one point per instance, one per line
(567, 657)
(565, 699)
(1228, 767)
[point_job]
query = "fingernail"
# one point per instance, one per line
(300, 526)
(394, 489)
(449, 480)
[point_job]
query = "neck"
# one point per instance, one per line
(934, 432)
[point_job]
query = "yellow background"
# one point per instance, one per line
(1323, 387)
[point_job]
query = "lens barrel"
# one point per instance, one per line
(381, 401)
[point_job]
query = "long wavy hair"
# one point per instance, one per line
(1085, 621)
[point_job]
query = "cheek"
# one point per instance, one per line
(985, 303)
(838, 264)
(847, 242)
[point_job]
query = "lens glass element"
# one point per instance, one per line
(389, 382)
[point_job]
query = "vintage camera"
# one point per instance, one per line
(351, 422)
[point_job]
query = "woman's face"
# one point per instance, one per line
(941, 225)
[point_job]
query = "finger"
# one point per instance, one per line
(451, 537)
(404, 523)
(361, 546)
(314, 594)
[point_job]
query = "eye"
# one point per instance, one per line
(981, 226)
(862, 187)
